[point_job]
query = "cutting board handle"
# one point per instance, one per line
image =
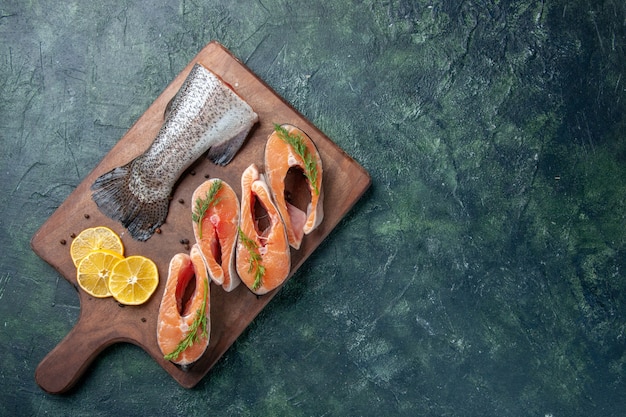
(65, 364)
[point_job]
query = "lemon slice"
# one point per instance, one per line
(94, 271)
(133, 280)
(93, 239)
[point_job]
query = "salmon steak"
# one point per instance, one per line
(183, 323)
(215, 215)
(206, 114)
(263, 255)
(294, 174)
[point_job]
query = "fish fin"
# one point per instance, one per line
(168, 107)
(115, 199)
(224, 152)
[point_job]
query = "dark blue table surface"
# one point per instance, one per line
(484, 272)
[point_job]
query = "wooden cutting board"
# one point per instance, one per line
(103, 322)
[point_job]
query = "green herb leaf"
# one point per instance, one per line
(298, 145)
(202, 205)
(197, 329)
(255, 258)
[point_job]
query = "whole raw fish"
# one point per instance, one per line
(206, 114)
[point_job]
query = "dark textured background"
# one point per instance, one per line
(483, 273)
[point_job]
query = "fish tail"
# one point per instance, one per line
(114, 198)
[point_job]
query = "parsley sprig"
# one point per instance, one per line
(202, 205)
(197, 329)
(255, 259)
(298, 145)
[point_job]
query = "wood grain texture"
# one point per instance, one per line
(103, 322)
